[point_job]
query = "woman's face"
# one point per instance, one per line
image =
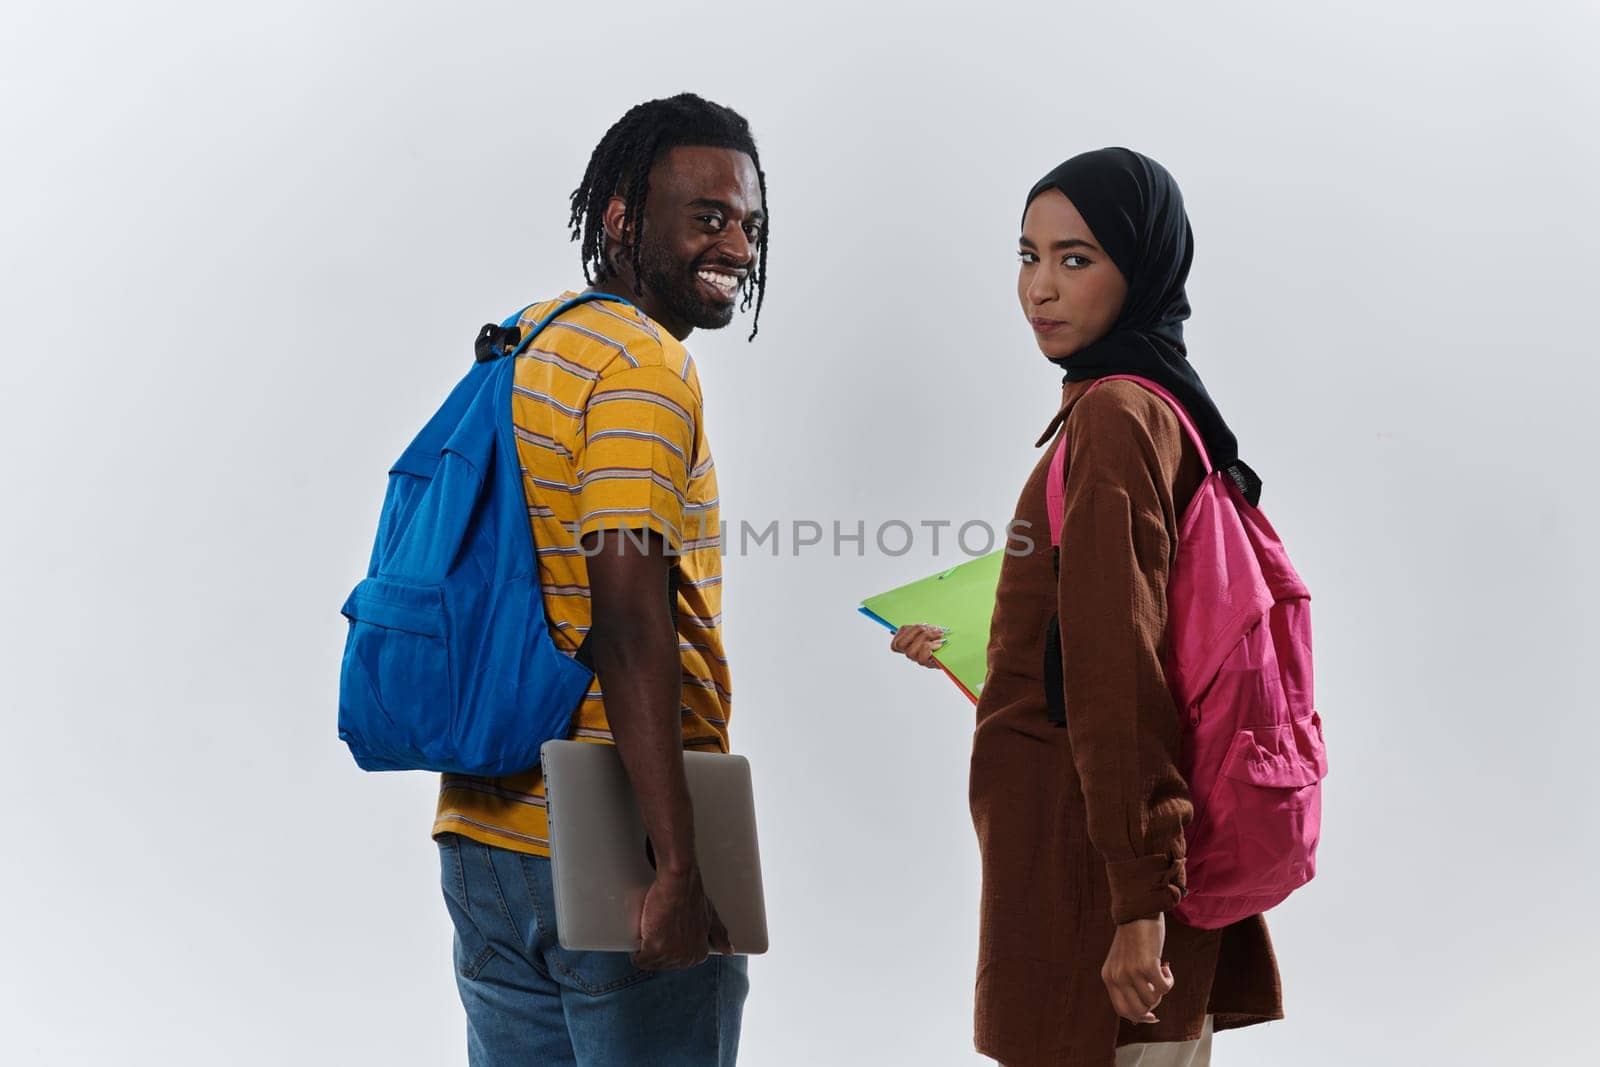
(1070, 290)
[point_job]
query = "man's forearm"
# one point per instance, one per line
(641, 675)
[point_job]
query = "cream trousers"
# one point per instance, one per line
(1196, 1053)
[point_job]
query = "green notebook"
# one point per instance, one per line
(961, 600)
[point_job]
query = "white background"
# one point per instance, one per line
(245, 250)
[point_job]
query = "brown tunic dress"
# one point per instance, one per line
(1082, 828)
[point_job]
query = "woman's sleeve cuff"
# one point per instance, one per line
(1145, 887)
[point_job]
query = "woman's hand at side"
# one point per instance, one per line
(918, 642)
(1134, 973)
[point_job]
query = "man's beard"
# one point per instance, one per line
(676, 286)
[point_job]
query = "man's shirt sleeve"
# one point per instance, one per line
(635, 452)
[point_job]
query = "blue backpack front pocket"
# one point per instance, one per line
(399, 697)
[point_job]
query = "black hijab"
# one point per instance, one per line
(1136, 212)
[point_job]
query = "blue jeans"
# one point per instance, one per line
(530, 1001)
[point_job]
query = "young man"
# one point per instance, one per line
(621, 490)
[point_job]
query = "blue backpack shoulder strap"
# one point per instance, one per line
(496, 342)
(584, 654)
(581, 298)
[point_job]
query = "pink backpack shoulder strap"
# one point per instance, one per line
(1056, 483)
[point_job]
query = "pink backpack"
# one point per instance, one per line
(1239, 665)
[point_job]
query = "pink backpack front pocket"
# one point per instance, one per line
(1256, 841)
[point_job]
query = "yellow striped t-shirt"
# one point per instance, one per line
(607, 412)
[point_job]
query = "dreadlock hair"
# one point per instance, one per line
(620, 165)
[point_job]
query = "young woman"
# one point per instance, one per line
(1081, 828)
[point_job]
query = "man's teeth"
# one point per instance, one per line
(725, 282)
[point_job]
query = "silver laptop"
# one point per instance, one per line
(600, 857)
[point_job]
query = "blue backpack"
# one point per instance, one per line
(448, 663)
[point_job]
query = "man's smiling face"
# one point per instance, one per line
(702, 219)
